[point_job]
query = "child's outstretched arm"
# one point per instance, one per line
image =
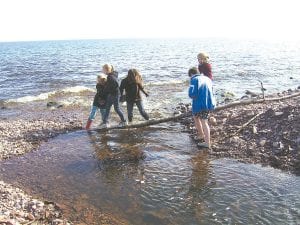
(142, 89)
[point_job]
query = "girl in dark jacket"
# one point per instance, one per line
(133, 85)
(113, 94)
(99, 100)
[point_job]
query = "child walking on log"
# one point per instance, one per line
(133, 85)
(99, 100)
(203, 101)
(113, 94)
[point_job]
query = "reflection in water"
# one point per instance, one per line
(153, 176)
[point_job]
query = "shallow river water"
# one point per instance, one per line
(154, 175)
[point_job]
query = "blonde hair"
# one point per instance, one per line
(203, 56)
(108, 67)
(102, 76)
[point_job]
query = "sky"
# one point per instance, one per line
(24, 20)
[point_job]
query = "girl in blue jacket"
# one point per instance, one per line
(203, 101)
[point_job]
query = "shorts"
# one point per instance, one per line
(202, 114)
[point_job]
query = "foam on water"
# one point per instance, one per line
(45, 96)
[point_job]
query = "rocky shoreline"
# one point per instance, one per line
(16, 208)
(263, 133)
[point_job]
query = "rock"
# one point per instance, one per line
(262, 142)
(234, 139)
(244, 97)
(30, 217)
(278, 145)
(177, 112)
(278, 113)
(254, 130)
(251, 93)
(53, 105)
(212, 121)
(227, 94)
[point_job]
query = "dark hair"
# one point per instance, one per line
(193, 71)
(134, 76)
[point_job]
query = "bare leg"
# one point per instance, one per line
(206, 130)
(199, 127)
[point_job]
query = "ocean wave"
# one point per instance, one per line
(45, 96)
(161, 83)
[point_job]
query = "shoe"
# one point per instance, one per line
(103, 126)
(88, 124)
(203, 145)
(123, 123)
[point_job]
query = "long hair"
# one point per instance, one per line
(134, 77)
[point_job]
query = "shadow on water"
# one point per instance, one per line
(153, 176)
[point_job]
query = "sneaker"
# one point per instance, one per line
(203, 145)
(123, 123)
(103, 126)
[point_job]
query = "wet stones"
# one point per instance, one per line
(16, 207)
(54, 105)
(213, 121)
(262, 142)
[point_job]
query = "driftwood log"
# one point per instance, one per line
(188, 114)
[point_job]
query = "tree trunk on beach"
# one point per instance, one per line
(188, 114)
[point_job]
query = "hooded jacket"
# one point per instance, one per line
(112, 85)
(100, 97)
(132, 90)
(201, 93)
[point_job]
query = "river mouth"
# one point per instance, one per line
(154, 175)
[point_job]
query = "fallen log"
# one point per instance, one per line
(146, 123)
(188, 114)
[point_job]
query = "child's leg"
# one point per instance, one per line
(139, 104)
(118, 109)
(91, 117)
(130, 111)
(206, 130)
(199, 127)
(109, 103)
(93, 113)
(103, 112)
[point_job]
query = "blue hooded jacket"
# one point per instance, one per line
(201, 92)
